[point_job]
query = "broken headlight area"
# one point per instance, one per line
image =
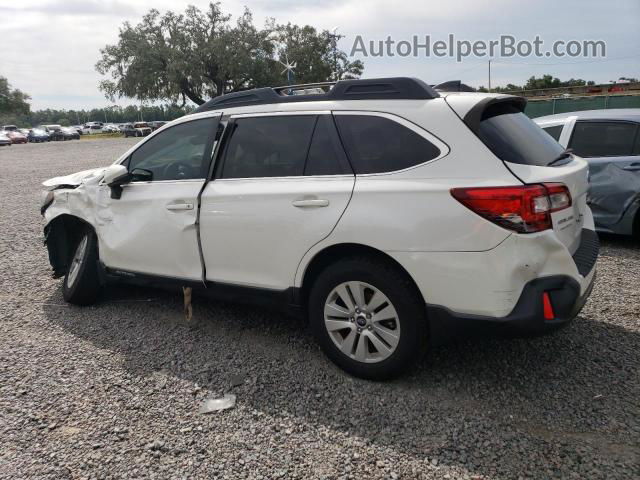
(48, 196)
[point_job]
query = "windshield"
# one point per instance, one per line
(514, 137)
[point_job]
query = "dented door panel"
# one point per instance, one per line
(151, 229)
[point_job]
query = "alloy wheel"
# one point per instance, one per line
(362, 322)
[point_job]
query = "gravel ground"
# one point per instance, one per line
(112, 391)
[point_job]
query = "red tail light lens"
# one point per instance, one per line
(522, 209)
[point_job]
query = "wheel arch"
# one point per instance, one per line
(335, 253)
(60, 236)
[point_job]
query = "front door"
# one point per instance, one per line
(151, 228)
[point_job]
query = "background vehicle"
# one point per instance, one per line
(610, 142)
(4, 140)
(54, 131)
(69, 133)
(16, 136)
(156, 125)
(110, 129)
(9, 128)
(382, 207)
(77, 128)
(137, 129)
(91, 128)
(38, 135)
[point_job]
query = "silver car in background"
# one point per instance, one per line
(610, 141)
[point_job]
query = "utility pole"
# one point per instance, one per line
(334, 47)
(489, 75)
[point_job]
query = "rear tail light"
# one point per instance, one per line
(522, 209)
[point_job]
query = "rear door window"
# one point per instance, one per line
(376, 144)
(603, 139)
(514, 137)
(268, 146)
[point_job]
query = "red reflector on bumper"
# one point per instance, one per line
(548, 308)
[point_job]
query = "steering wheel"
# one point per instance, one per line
(178, 171)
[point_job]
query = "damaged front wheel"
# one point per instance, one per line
(81, 283)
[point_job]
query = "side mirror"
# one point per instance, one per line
(115, 174)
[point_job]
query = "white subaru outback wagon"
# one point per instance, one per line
(385, 209)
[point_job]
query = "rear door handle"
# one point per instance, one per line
(632, 167)
(310, 203)
(180, 206)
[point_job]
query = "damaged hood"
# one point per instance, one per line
(75, 179)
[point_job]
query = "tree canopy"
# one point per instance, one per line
(199, 54)
(545, 81)
(12, 101)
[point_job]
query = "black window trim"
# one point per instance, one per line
(414, 127)
(608, 120)
(221, 156)
(207, 151)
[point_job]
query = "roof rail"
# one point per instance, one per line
(399, 88)
(453, 86)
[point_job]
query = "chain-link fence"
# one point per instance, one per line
(538, 108)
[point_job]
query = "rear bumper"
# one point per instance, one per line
(528, 314)
(567, 296)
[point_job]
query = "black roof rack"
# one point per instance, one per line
(399, 88)
(453, 86)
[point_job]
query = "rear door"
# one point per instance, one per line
(527, 151)
(612, 149)
(281, 183)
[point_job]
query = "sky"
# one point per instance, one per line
(50, 47)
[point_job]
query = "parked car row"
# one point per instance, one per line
(11, 134)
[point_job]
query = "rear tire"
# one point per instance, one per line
(81, 284)
(349, 332)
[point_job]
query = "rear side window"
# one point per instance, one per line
(377, 145)
(268, 147)
(515, 138)
(554, 131)
(603, 139)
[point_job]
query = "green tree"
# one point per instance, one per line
(12, 101)
(201, 54)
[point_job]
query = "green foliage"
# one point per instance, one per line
(12, 101)
(201, 54)
(546, 81)
(114, 114)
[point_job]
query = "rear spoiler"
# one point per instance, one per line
(476, 114)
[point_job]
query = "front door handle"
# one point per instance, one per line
(310, 203)
(180, 206)
(635, 166)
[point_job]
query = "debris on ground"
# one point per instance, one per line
(188, 308)
(210, 405)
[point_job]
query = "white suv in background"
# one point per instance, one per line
(387, 210)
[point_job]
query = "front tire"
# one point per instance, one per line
(81, 283)
(368, 317)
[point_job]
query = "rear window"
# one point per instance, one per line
(515, 138)
(603, 139)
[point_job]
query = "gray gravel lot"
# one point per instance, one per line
(112, 391)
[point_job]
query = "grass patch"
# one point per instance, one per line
(100, 136)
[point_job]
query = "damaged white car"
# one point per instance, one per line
(386, 210)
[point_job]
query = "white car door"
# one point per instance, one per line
(281, 183)
(151, 228)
